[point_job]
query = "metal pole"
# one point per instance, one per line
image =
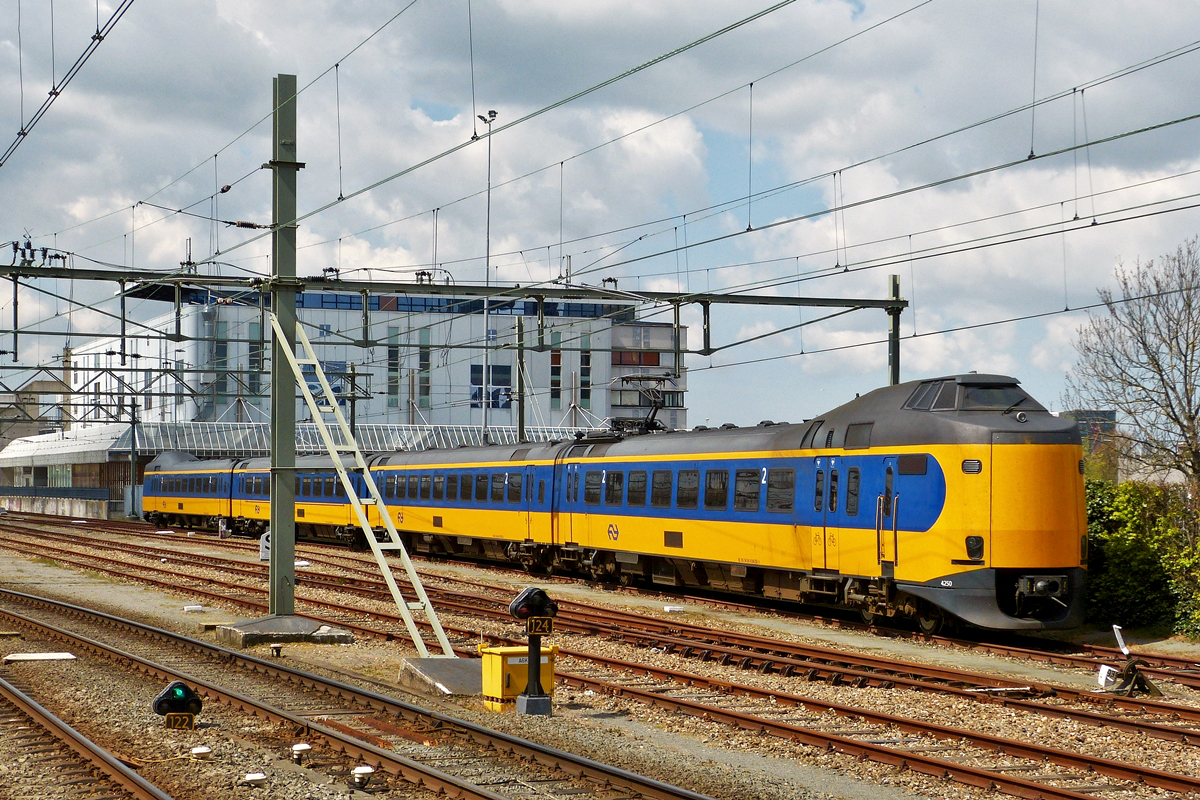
(133, 504)
(353, 398)
(520, 379)
(283, 382)
(894, 332)
(487, 266)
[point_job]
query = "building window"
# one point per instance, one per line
(634, 358)
(393, 367)
(555, 371)
(221, 363)
(585, 371)
(499, 385)
(324, 330)
(424, 359)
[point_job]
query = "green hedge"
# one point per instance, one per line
(1144, 569)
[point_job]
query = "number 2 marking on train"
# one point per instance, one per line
(764, 476)
(613, 531)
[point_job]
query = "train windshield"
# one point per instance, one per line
(997, 398)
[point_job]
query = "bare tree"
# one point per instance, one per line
(1141, 358)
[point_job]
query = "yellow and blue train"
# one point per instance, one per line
(952, 498)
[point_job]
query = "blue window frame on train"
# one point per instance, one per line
(439, 487)
(426, 485)
(716, 490)
(592, 481)
(515, 482)
(498, 487)
(452, 488)
(661, 488)
(636, 496)
(688, 490)
(747, 485)
(481, 488)
(614, 488)
(466, 487)
(853, 481)
(414, 482)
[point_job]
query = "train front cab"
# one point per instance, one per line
(1012, 533)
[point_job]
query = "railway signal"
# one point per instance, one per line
(178, 705)
(537, 610)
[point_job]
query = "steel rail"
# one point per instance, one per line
(414, 772)
(85, 748)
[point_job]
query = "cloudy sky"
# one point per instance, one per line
(913, 117)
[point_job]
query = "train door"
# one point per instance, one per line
(887, 509)
(527, 501)
(562, 500)
(824, 542)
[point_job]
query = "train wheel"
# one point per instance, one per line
(868, 617)
(930, 621)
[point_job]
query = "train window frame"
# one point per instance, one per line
(1013, 396)
(716, 490)
(819, 492)
(662, 487)
(497, 483)
(466, 487)
(614, 487)
(913, 464)
(331, 486)
(947, 397)
(747, 489)
(922, 396)
(636, 497)
(833, 490)
(687, 489)
(481, 487)
(541, 492)
(853, 490)
(515, 481)
(306, 486)
(593, 479)
(858, 436)
(267, 487)
(426, 485)
(339, 489)
(413, 483)
(452, 488)
(439, 486)
(889, 482)
(389, 487)
(811, 434)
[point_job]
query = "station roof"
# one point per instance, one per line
(103, 443)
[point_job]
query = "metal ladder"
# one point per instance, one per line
(336, 451)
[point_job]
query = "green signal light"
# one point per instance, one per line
(179, 692)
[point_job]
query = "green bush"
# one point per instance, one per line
(1143, 563)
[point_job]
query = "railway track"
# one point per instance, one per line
(77, 764)
(422, 747)
(936, 750)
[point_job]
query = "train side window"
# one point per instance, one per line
(515, 481)
(810, 434)
(425, 487)
(916, 464)
(466, 487)
(339, 489)
(389, 487)
(497, 487)
(946, 397)
(614, 488)
(306, 486)
(688, 492)
(329, 484)
(858, 436)
(781, 489)
(266, 487)
(451, 487)
(297, 488)
(853, 479)
(591, 487)
(637, 489)
(541, 492)
(481, 488)
(923, 396)
(413, 483)
(716, 489)
(746, 489)
(819, 492)
(887, 492)
(660, 489)
(439, 487)
(833, 490)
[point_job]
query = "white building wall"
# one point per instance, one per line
(174, 381)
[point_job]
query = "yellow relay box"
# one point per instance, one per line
(506, 671)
